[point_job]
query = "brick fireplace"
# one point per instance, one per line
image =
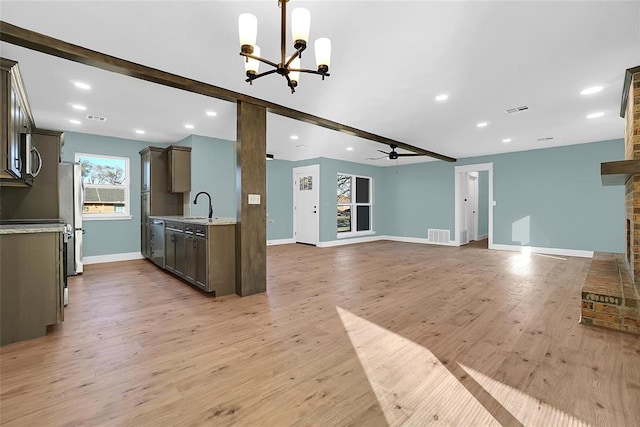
(610, 296)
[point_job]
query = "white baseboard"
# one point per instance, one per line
(546, 251)
(350, 241)
(418, 240)
(99, 259)
(280, 242)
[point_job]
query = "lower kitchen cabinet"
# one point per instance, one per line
(174, 249)
(201, 254)
(31, 284)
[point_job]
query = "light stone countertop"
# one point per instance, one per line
(31, 228)
(196, 219)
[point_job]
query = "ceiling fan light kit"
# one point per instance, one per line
(288, 67)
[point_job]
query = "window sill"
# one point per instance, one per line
(107, 218)
(355, 234)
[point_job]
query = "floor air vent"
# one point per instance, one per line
(438, 236)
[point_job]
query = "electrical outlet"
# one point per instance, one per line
(254, 199)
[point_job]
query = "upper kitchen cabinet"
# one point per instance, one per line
(179, 159)
(16, 162)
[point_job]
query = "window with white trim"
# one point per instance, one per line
(354, 204)
(105, 180)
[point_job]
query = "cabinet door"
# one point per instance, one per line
(145, 171)
(14, 162)
(179, 170)
(180, 255)
(202, 278)
(170, 251)
(145, 236)
(190, 264)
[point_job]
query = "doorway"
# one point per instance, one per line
(306, 186)
(474, 203)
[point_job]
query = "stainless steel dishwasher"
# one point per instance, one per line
(157, 242)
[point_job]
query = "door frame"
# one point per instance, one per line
(316, 190)
(473, 207)
(460, 172)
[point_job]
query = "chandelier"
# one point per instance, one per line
(288, 67)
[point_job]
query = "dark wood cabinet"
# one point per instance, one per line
(154, 197)
(174, 248)
(16, 121)
(31, 284)
(179, 169)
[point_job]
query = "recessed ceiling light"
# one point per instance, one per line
(349, 148)
(595, 115)
(79, 107)
(188, 126)
(506, 140)
(140, 131)
(482, 124)
(294, 137)
(75, 122)
(81, 85)
(211, 113)
(591, 90)
(442, 97)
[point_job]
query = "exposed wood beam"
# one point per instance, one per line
(42, 43)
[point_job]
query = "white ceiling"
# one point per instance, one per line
(389, 60)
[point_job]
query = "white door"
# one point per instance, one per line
(472, 206)
(305, 198)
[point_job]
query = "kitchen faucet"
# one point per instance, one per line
(195, 202)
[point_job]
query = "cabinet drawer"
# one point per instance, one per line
(174, 226)
(201, 230)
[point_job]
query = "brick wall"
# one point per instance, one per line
(632, 187)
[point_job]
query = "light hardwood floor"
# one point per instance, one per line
(382, 333)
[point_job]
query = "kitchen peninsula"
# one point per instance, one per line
(196, 249)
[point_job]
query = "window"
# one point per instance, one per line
(354, 196)
(105, 181)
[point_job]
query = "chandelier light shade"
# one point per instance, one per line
(248, 29)
(289, 66)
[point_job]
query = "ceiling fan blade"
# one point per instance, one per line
(376, 158)
(383, 152)
(409, 154)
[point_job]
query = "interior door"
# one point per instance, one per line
(472, 206)
(306, 190)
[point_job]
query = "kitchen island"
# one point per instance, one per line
(198, 250)
(31, 280)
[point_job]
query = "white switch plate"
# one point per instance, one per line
(254, 199)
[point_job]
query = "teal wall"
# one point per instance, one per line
(551, 198)
(547, 198)
(279, 199)
(213, 169)
(329, 169)
(104, 237)
(483, 203)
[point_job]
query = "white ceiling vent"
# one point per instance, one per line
(545, 138)
(516, 109)
(96, 118)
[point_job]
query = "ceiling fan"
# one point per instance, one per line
(393, 155)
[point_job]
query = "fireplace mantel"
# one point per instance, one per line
(617, 173)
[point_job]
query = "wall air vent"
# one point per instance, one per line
(516, 110)
(96, 118)
(545, 138)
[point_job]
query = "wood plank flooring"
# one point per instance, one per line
(382, 333)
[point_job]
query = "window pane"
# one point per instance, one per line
(101, 170)
(362, 191)
(364, 218)
(344, 219)
(344, 189)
